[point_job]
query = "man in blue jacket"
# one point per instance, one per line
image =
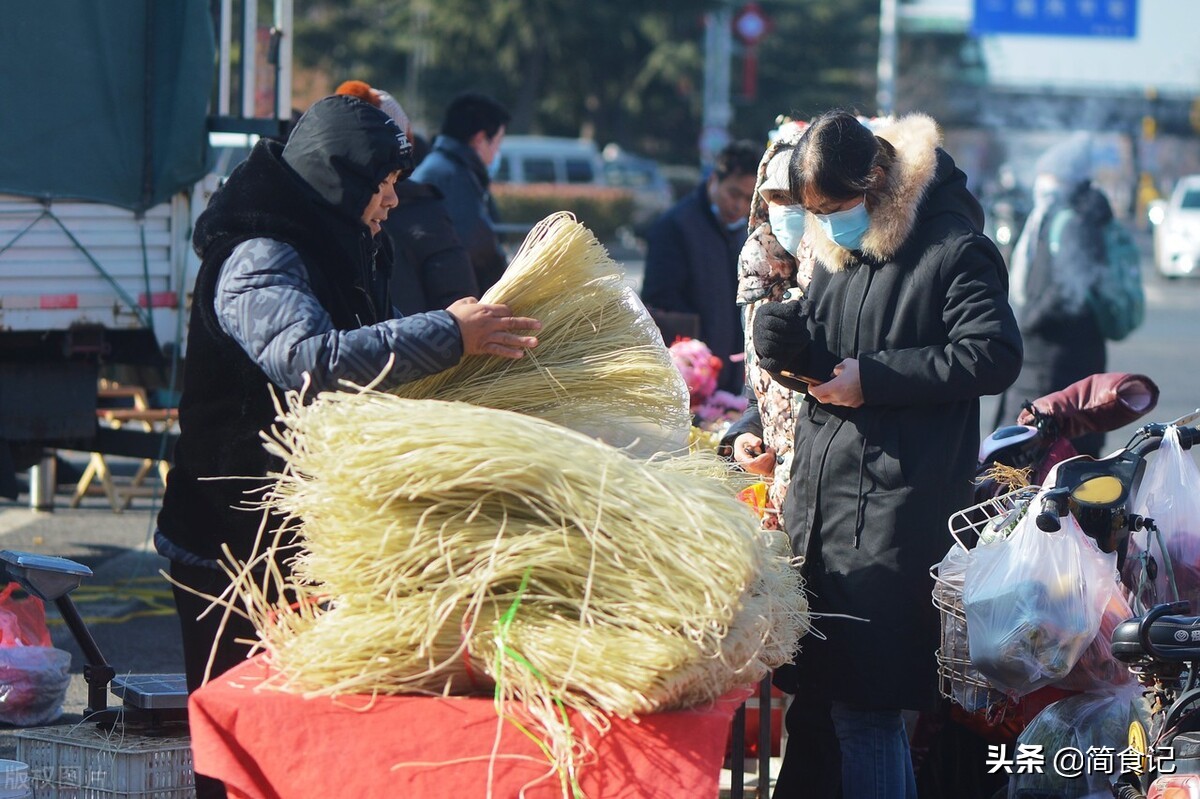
(692, 253)
(469, 143)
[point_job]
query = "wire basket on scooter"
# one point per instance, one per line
(983, 523)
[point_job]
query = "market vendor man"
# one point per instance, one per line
(292, 290)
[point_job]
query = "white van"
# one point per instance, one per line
(549, 159)
(229, 149)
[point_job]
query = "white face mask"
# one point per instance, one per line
(787, 224)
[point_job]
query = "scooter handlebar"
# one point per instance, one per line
(1153, 615)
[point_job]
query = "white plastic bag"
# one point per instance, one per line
(1097, 669)
(954, 649)
(1170, 495)
(1033, 603)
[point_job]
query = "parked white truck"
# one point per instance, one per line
(104, 167)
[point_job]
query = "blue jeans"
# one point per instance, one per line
(876, 763)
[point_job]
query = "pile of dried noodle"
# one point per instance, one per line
(600, 366)
(449, 548)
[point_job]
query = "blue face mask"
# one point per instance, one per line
(787, 224)
(846, 228)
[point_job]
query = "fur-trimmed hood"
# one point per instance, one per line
(919, 169)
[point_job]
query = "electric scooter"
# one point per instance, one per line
(1161, 647)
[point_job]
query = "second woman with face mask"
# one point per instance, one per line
(787, 223)
(904, 325)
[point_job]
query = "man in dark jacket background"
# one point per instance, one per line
(469, 143)
(692, 252)
(292, 288)
(430, 267)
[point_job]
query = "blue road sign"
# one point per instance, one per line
(1111, 18)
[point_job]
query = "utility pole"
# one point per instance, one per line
(718, 57)
(885, 93)
(418, 59)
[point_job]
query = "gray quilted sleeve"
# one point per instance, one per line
(265, 302)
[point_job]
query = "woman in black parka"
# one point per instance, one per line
(905, 325)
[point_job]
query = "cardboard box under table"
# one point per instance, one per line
(267, 743)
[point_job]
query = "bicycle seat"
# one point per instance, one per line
(1176, 639)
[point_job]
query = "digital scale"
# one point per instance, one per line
(152, 702)
(152, 691)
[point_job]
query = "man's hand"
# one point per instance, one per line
(780, 335)
(752, 456)
(844, 388)
(487, 329)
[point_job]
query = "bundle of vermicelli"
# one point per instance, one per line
(600, 366)
(452, 548)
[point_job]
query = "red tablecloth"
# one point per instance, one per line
(265, 744)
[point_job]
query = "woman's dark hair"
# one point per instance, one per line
(836, 158)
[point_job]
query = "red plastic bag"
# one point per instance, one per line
(22, 618)
(33, 674)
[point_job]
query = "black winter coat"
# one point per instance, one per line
(923, 307)
(430, 267)
(464, 183)
(691, 267)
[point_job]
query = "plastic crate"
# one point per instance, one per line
(84, 762)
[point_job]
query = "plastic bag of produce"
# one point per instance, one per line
(33, 684)
(1097, 669)
(1169, 494)
(1033, 603)
(1083, 725)
(968, 688)
(33, 674)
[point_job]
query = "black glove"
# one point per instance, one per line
(780, 336)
